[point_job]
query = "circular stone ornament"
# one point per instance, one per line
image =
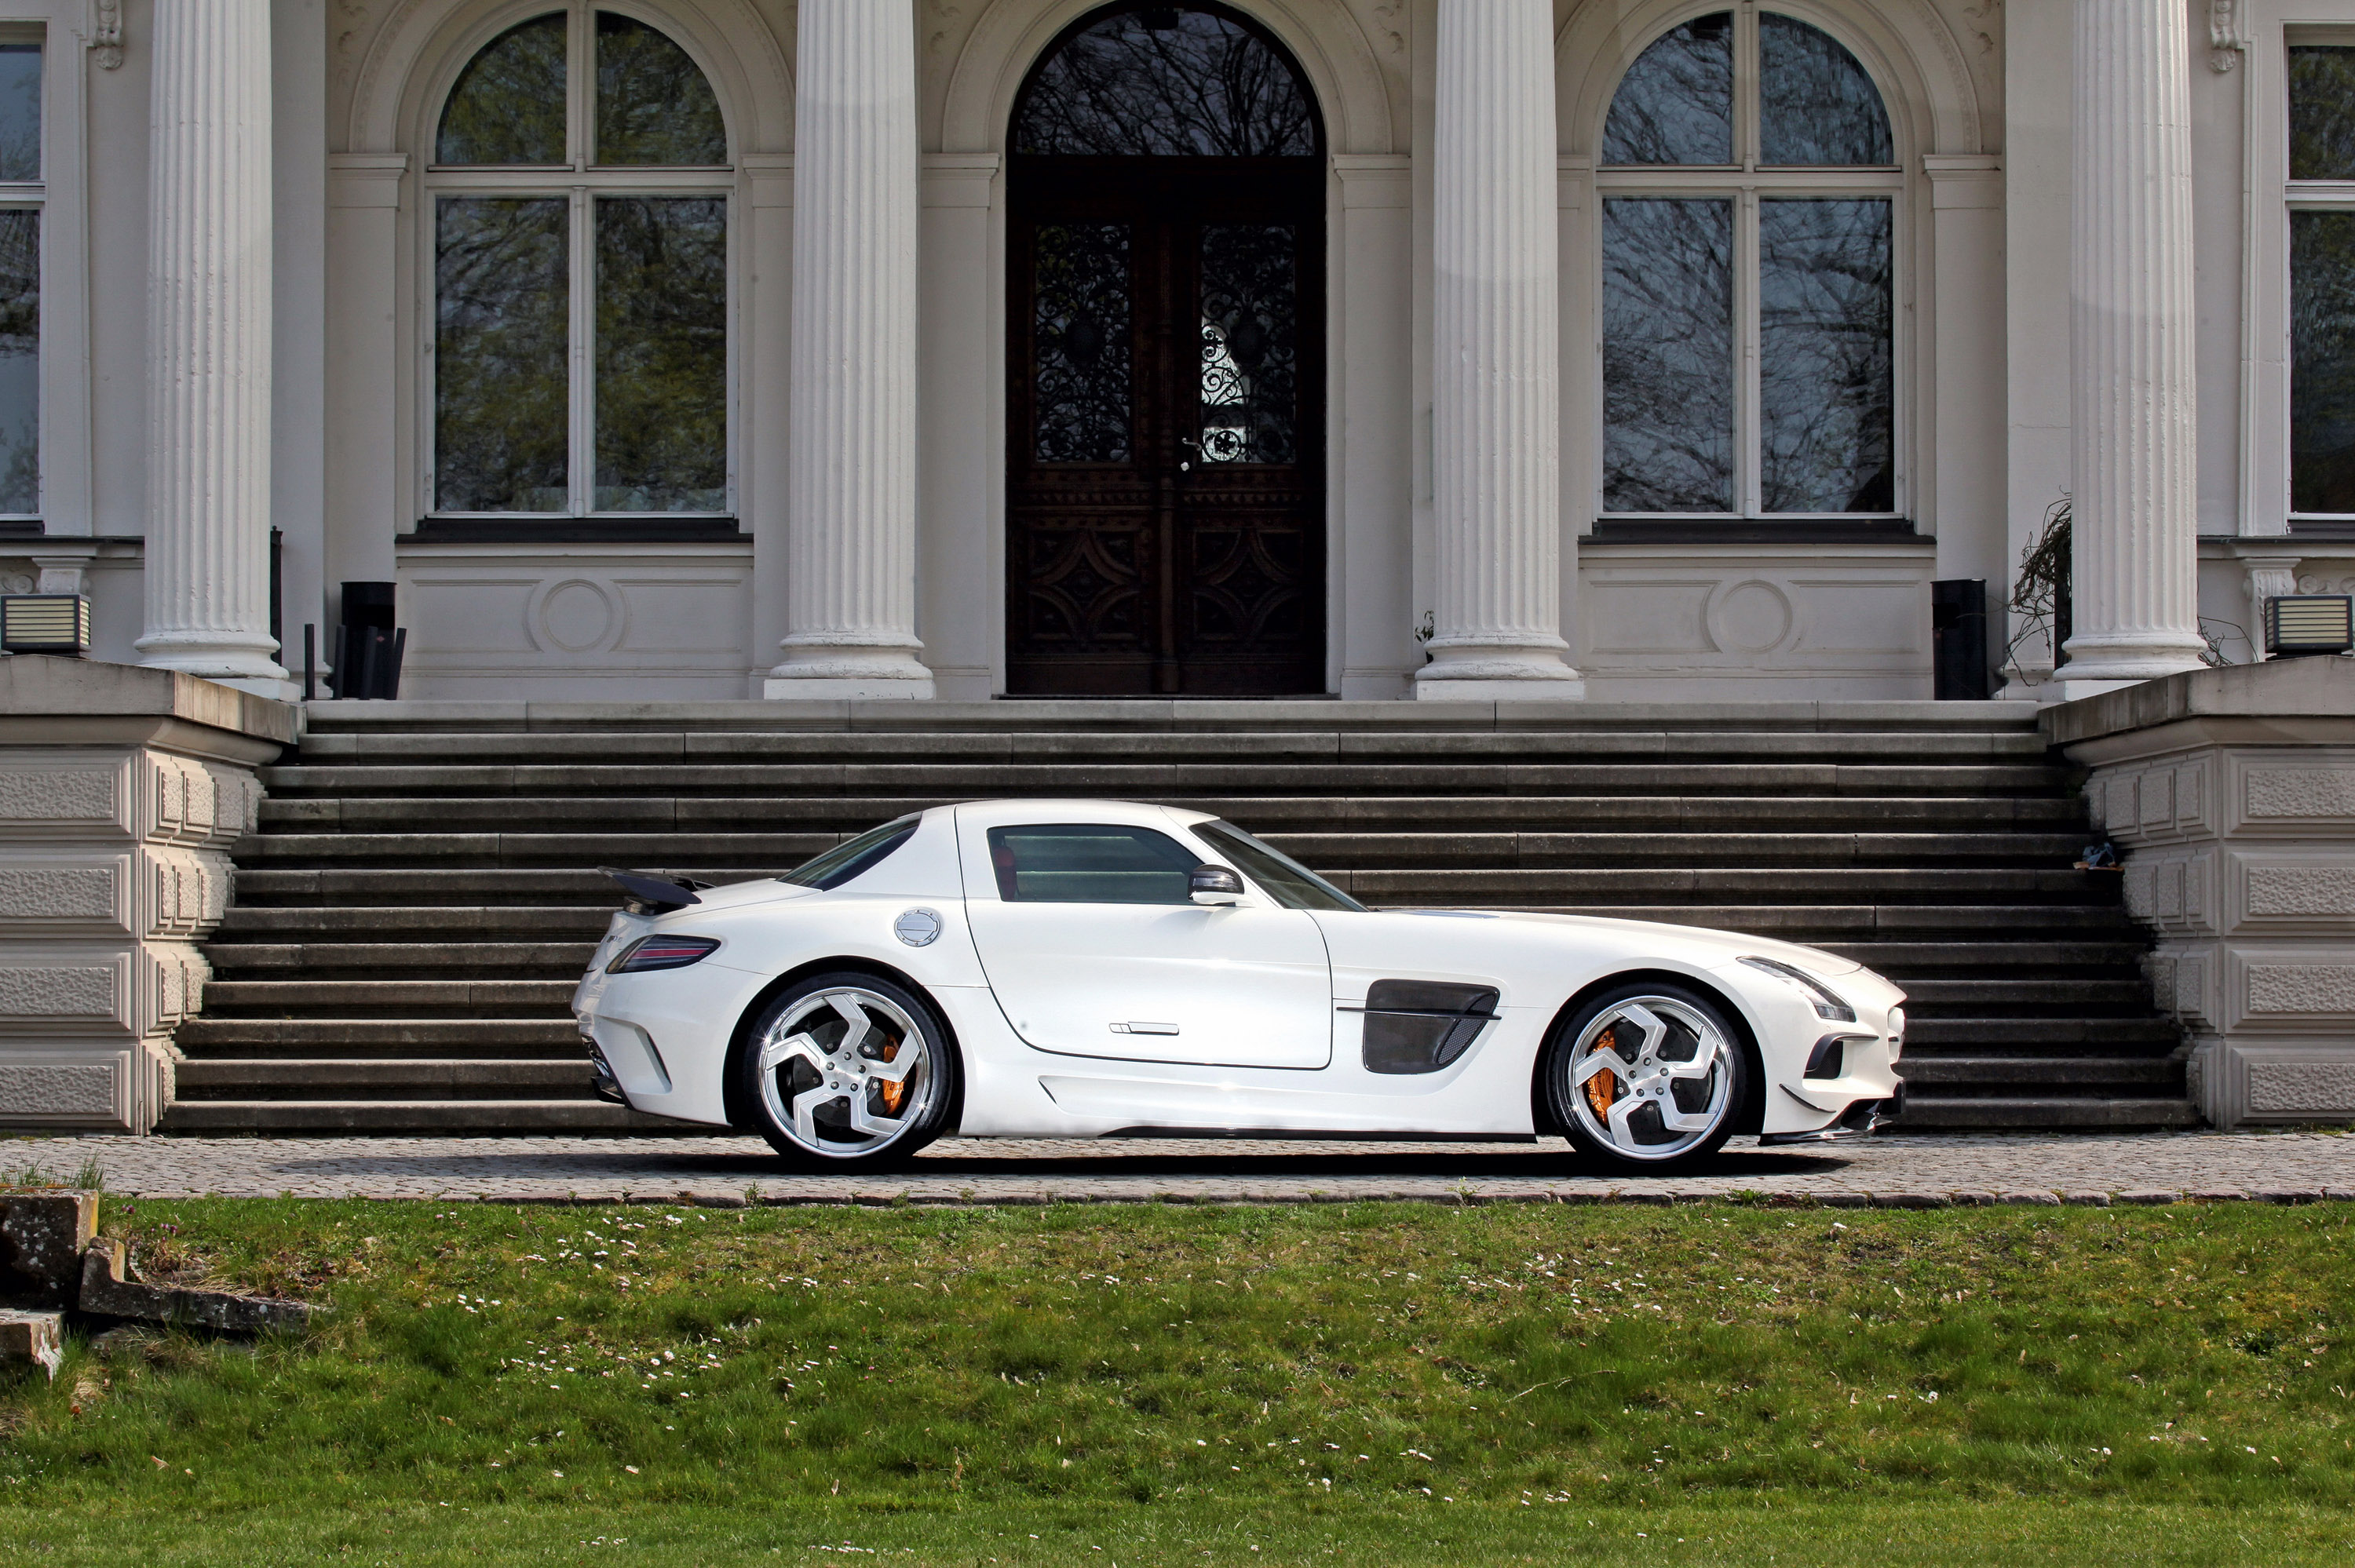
(918, 928)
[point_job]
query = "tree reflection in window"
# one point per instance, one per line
(654, 105)
(1815, 106)
(662, 353)
(508, 106)
(1080, 331)
(1802, 350)
(2322, 363)
(500, 346)
(20, 361)
(1674, 105)
(1166, 81)
(1249, 352)
(1667, 355)
(20, 111)
(2322, 113)
(1826, 398)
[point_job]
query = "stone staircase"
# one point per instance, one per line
(421, 897)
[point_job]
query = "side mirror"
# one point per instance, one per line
(1215, 886)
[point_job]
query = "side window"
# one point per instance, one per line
(1087, 863)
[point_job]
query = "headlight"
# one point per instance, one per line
(662, 953)
(1828, 1004)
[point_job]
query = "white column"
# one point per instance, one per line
(208, 345)
(1497, 376)
(851, 592)
(2133, 390)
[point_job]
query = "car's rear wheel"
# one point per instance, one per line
(1649, 1074)
(847, 1070)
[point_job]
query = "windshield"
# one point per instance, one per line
(846, 861)
(1287, 880)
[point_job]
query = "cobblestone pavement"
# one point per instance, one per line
(1923, 1171)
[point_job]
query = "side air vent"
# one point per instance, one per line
(1422, 1026)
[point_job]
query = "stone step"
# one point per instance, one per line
(2065, 1074)
(541, 960)
(314, 998)
(328, 749)
(750, 854)
(688, 781)
(2027, 1037)
(221, 1037)
(1126, 715)
(444, 1118)
(1931, 1113)
(1661, 885)
(402, 1078)
(1265, 814)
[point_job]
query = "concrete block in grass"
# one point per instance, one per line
(105, 1293)
(32, 1339)
(41, 1239)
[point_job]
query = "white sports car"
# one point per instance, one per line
(1084, 968)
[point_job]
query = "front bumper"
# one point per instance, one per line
(1861, 1117)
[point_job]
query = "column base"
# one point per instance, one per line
(838, 689)
(2069, 689)
(1572, 690)
(1480, 671)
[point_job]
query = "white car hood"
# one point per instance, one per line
(1732, 944)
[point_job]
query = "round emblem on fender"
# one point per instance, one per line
(917, 928)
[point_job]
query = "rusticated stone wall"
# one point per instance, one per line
(121, 792)
(2233, 793)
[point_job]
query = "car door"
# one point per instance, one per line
(1094, 948)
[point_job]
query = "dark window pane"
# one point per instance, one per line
(1827, 400)
(1674, 105)
(849, 862)
(1667, 355)
(2322, 362)
(654, 105)
(20, 111)
(1080, 342)
(1250, 357)
(1160, 81)
(499, 349)
(508, 107)
(2322, 113)
(1285, 880)
(20, 361)
(662, 353)
(1071, 863)
(1816, 105)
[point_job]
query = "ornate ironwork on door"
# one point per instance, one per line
(1165, 518)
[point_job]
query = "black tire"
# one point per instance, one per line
(806, 1034)
(1674, 1115)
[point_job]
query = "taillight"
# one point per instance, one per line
(661, 953)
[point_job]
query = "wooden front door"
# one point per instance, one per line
(1166, 466)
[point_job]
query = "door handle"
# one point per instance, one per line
(1145, 1029)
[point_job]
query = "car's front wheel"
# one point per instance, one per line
(1649, 1074)
(847, 1070)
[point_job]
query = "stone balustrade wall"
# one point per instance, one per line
(121, 791)
(2232, 793)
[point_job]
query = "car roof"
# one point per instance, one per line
(1129, 813)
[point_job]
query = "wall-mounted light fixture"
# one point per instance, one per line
(2300, 624)
(45, 623)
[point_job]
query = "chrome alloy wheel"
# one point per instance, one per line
(1650, 1077)
(845, 1072)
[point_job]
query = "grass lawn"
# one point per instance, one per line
(1386, 1383)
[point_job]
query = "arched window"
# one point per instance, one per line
(579, 190)
(1749, 235)
(1166, 81)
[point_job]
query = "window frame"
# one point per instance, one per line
(1745, 182)
(580, 182)
(2296, 196)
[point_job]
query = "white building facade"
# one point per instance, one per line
(1634, 349)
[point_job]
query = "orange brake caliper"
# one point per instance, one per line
(1603, 1089)
(892, 1093)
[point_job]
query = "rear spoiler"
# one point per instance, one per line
(646, 893)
